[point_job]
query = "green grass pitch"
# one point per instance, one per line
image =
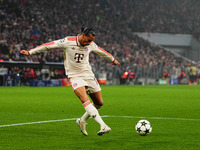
(174, 112)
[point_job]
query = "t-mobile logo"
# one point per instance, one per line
(78, 57)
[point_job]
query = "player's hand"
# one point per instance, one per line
(115, 62)
(24, 52)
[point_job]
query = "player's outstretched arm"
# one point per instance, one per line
(45, 47)
(115, 62)
(24, 52)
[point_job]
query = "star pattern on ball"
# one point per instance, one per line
(143, 123)
(138, 129)
(146, 131)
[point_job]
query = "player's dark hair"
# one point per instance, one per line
(87, 31)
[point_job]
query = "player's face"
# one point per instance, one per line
(86, 40)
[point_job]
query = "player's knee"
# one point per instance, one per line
(99, 104)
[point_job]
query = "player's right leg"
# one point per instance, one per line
(82, 126)
(81, 94)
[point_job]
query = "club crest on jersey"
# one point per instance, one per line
(73, 48)
(75, 84)
(86, 49)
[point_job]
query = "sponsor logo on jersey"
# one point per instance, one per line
(75, 84)
(73, 48)
(78, 57)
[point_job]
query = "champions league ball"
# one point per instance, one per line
(143, 127)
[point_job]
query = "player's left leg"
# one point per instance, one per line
(94, 91)
(97, 103)
(90, 109)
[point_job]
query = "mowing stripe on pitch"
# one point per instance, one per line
(106, 116)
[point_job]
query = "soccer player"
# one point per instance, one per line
(77, 67)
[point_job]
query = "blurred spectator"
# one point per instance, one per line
(198, 74)
(38, 74)
(29, 74)
(22, 76)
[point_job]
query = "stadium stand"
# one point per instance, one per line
(28, 23)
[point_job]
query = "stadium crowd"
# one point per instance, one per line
(26, 24)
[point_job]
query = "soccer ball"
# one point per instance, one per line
(143, 127)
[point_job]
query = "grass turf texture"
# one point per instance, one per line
(26, 104)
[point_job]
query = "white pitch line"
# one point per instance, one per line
(108, 116)
(20, 124)
(159, 118)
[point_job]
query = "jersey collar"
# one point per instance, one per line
(77, 42)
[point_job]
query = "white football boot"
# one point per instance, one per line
(104, 130)
(82, 126)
